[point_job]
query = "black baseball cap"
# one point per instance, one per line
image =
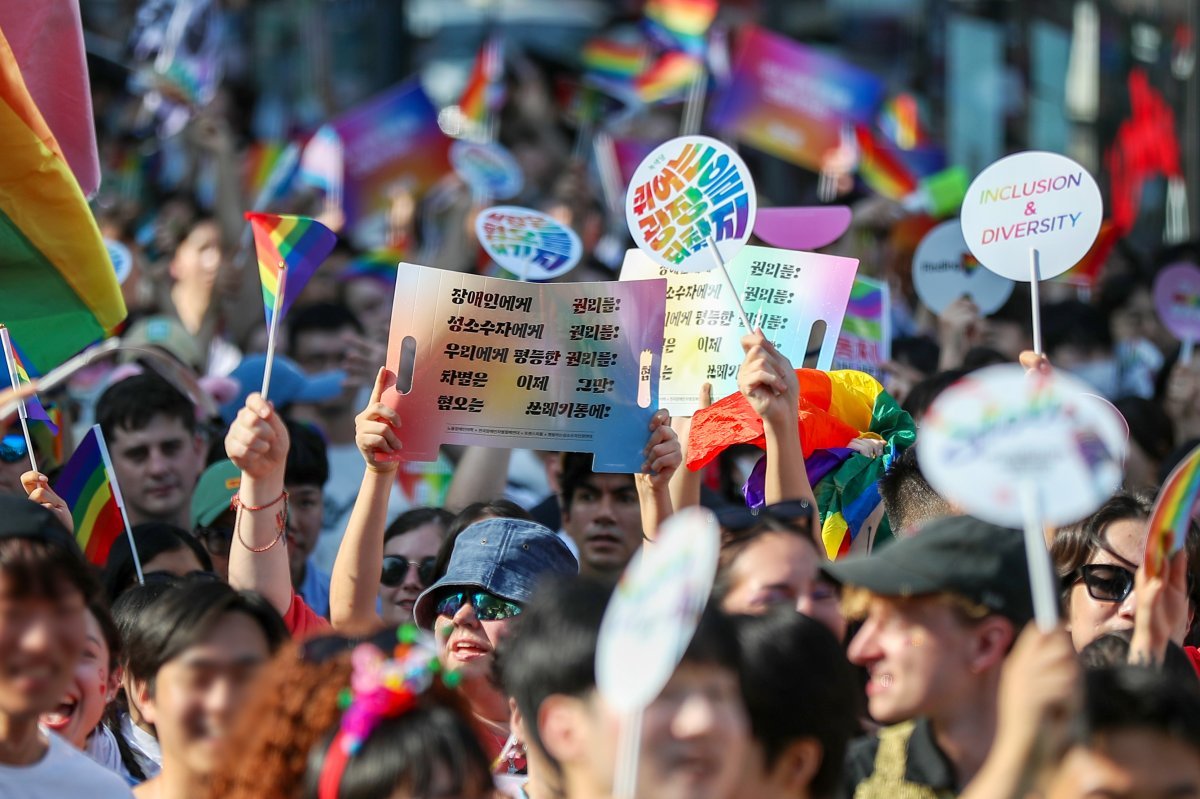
(961, 555)
(22, 518)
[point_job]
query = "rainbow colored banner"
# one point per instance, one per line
(390, 141)
(58, 291)
(84, 484)
(790, 100)
(866, 339)
(788, 292)
(296, 243)
(501, 363)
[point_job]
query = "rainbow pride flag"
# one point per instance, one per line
(85, 485)
(33, 406)
(882, 169)
(609, 58)
(296, 243)
(900, 120)
(58, 291)
(1173, 512)
(680, 24)
(669, 77)
(484, 93)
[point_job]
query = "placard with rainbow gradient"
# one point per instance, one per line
(865, 342)
(789, 292)
(502, 363)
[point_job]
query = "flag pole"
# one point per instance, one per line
(111, 473)
(15, 382)
(271, 334)
(741, 309)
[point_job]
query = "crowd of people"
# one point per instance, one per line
(298, 612)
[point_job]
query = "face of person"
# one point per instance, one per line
(196, 695)
(414, 546)
(916, 653)
(217, 540)
(605, 522)
(88, 694)
(371, 302)
(306, 507)
(41, 639)
(1006, 338)
(158, 467)
(467, 645)
(781, 568)
(319, 351)
(1091, 618)
(197, 261)
(695, 737)
(1129, 764)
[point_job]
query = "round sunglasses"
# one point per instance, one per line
(487, 606)
(395, 569)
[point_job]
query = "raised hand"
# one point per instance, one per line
(377, 428)
(768, 381)
(664, 454)
(37, 487)
(257, 441)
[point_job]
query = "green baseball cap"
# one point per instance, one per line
(214, 491)
(956, 554)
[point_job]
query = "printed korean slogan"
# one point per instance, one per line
(527, 243)
(501, 363)
(787, 291)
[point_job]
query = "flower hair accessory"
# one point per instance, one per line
(381, 687)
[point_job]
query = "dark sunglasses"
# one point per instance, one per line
(488, 607)
(395, 569)
(217, 540)
(12, 448)
(792, 512)
(169, 578)
(1106, 582)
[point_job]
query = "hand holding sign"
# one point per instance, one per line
(1177, 298)
(690, 194)
(1022, 450)
(1038, 208)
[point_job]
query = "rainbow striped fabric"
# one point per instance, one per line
(609, 58)
(484, 93)
(296, 243)
(84, 485)
(1173, 512)
(835, 408)
(58, 291)
(680, 24)
(669, 77)
(33, 406)
(882, 169)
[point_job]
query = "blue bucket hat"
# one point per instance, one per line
(505, 557)
(289, 383)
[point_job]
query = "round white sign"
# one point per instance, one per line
(686, 190)
(1031, 201)
(655, 608)
(998, 427)
(489, 169)
(945, 270)
(528, 243)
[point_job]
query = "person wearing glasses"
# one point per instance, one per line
(494, 568)
(410, 548)
(1099, 562)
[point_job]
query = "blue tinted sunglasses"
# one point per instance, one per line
(12, 448)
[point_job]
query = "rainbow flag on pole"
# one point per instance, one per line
(882, 169)
(670, 76)
(86, 486)
(33, 406)
(681, 24)
(296, 242)
(484, 93)
(1173, 513)
(58, 291)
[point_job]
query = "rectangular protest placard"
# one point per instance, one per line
(502, 363)
(866, 339)
(390, 141)
(787, 290)
(790, 100)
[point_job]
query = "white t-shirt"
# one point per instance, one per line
(346, 470)
(63, 772)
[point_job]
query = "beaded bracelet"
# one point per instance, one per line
(280, 520)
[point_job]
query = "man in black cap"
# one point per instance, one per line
(940, 612)
(45, 586)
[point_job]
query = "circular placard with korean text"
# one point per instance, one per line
(528, 243)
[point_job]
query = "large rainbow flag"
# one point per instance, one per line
(58, 290)
(296, 242)
(84, 484)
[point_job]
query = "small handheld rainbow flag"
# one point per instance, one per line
(609, 58)
(33, 407)
(680, 24)
(882, 169)
(670, 76)
(484, 93)
(87, 487)
(296, 243)
(1173, 513)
